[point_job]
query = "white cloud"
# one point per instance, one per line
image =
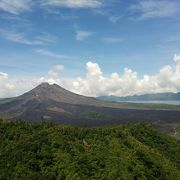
(95, 83)
(54, 71)
(3, 75)
(177, 57)
(48, 53)
(73, 3)
(111, 39)
(82, 35)
(17, 37)
(15, 6)
(6, 88)
(153, 8)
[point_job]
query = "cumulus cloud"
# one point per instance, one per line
(177, 57)
(96, 83)
(6, 88)
(15, 6)
(3, 75)
(54, 71)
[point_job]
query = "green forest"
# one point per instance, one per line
(49, 152)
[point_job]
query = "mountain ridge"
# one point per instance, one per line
(145, 97)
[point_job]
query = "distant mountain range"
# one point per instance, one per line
(55, 104)
(145, 97)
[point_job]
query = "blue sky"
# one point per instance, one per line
(142, 35)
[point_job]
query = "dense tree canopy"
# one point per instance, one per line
(46, 151)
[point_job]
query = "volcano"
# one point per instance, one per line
(58, 105)
(49, 102)
(46, 92)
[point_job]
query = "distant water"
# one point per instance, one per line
(155, 102)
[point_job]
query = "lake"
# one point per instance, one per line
(155, 102)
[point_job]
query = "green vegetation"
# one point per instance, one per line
(151, 106)
(94, 114)
(46, 151)
(176, 130)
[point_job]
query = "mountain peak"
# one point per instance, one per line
(46, 92)
(45, 89)
(45, 84)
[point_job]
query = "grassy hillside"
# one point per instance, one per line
(46, 151)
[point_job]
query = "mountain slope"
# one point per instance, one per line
(45, 92)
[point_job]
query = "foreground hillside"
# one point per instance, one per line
(46, 151)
